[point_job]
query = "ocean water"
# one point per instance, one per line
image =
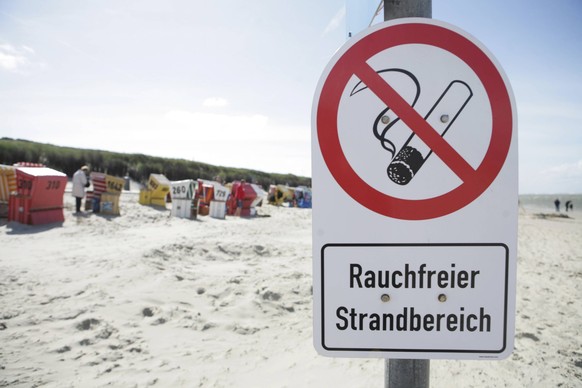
(544, 203)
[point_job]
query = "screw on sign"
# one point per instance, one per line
(410, 135)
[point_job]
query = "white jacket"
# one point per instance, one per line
(79, 182)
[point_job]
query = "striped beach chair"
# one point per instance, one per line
(7, 182)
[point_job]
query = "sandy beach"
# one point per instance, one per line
(144, 299)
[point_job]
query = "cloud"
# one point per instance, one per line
(13, 59)
(237, 140)
(336, 21)
(226, 128)
(215, 102)
(551, 110)
(566, 170)
(219, 127)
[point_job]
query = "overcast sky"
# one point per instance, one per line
(232, 82)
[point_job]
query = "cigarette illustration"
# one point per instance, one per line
(407, 151)
(387, 120)
(441, 117)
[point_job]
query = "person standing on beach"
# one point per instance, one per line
(239, 195)
(80, 181)
(557, 203)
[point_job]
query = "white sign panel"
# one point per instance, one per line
(411, 289)
(415, 218)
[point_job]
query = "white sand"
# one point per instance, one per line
(145, 299)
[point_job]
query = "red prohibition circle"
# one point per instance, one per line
(474, 182)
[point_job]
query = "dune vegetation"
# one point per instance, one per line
(136, 166)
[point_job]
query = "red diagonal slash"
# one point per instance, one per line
(415, 122)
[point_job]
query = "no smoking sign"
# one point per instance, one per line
(408, 72)
(413, 143)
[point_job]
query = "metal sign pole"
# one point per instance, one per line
(407, 373)
(394, 9)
